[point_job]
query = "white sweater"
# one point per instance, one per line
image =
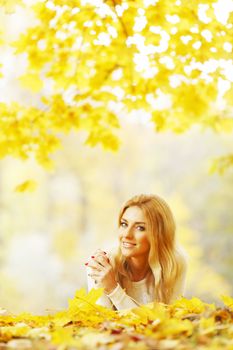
(136, 292)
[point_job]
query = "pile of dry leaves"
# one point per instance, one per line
(185, 324)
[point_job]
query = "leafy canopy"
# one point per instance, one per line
(103, 59)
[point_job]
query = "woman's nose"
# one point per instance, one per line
(128, 232)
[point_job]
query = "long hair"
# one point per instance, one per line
(165, 257)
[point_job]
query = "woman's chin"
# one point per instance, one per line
(126, 252)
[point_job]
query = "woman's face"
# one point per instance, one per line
(133, 233)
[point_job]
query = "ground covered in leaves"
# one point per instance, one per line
(186, 324)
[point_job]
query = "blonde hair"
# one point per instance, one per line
(165, 259)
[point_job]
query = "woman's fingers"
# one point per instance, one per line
(98, 259)
(94, 265)
(99, 252)
(102, 260)
(98, 263)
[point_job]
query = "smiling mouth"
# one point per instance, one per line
(128, 245)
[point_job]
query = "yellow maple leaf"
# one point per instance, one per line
(31, 82)
(26, 186)
(183, 306)
(173, 326)
(64, 336)
(82, 299)
(153, 311)
(228, 301)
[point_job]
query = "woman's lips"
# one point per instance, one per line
(128, 245)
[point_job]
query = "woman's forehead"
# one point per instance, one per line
(134, 213)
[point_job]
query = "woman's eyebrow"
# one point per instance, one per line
(137, 222)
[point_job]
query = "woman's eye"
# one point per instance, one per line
(123, 224)
(140, 228)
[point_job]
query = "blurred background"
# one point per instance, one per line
(46, 236)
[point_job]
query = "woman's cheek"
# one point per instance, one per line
(143, 239)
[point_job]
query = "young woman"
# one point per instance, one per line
(147, 265)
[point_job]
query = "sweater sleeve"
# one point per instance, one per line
(121, 300)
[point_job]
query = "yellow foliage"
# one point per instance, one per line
(88, 325)
(100, 54)
(10, 5)
(153, 311)
(19, 330)
(26, 186)
(64, 337)
(174, 327)
(228, 301)
(104, 136)
(221, 164)
(194, 305)
(207, 325)
(31, 82)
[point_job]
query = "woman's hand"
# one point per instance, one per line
(102, 271)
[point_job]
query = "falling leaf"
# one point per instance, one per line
(26, 186)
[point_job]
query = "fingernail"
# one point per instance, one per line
(86, 263)
(93, 256)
